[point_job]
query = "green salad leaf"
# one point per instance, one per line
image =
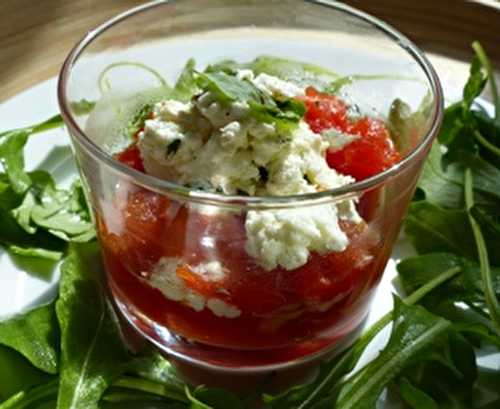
(186, 86)
(92, 352)
(35, 335)
(301, 73)
(404, 124)
(443, 185)
(415, 331)
(17, 374)
(228, 88)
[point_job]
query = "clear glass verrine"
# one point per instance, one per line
(249, 319)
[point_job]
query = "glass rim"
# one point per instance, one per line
(177, 191)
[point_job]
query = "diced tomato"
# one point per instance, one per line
(372, 153)
(324, 111)
(131, 157)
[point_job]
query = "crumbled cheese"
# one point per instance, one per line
(171, 110)
(217, 114)
(226, 150)
(210, 271)
(245, 74)
(277, 87)
(164, 277)
(286, 237)
(337, 139)
(222, 308)
(233, 135)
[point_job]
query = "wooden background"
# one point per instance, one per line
(35, 36)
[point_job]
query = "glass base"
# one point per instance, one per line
(198, 361)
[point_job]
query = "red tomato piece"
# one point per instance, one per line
(324, 111)
(131, 157)
(372, 153)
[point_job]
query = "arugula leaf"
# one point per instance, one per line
(227, 88)
(431, 228)
(415, 397)
(63, 213)
(154, 367)
(488, 216)
(213, 398)
(92, 352)
(482, 251)
(33, 397)
(40, 244)
(186, 85)
(444, 186)
(34, 334)
(17, 373)
(82, 107)
(138, 119)
(416, 271)
(301, 73)
(405, 125)
(12, 144)
(485, 62)
(415, 331)
(324, 389)
(446, 375)
(55, 121)
(170, 389)
(474, 85)
(12, 159)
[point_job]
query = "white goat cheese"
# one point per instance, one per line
(209, 271)
(164, 277)
(224, 149)
(276, 86)
(336, 139)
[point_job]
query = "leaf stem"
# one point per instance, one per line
(482, 251)
(486, 144)
(32, 397)
(104, 83)
(353, 354)
(155, 388)
(481, 54)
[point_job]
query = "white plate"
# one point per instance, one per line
(21, 288)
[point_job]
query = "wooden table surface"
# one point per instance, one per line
(35, 36)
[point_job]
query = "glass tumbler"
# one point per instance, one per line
(175, 257)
